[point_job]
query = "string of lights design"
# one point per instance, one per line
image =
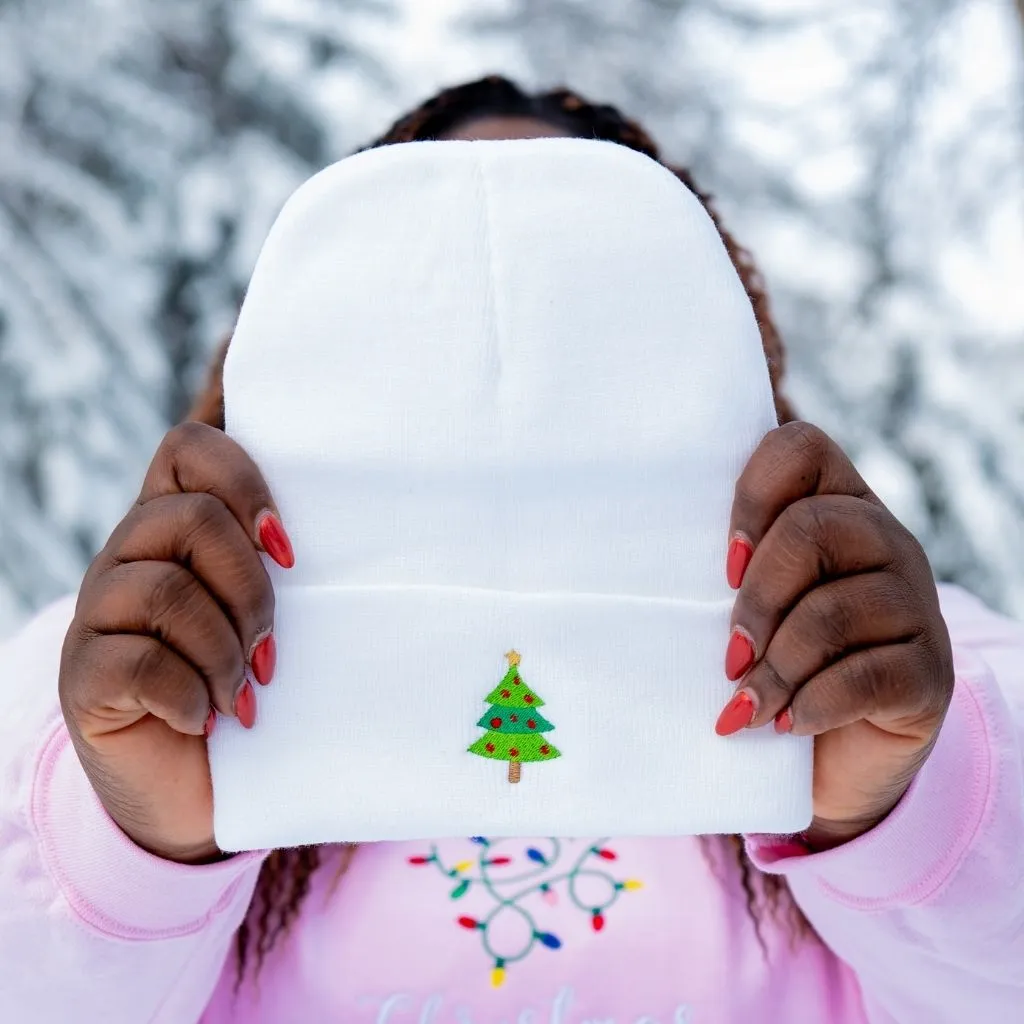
(539, 859)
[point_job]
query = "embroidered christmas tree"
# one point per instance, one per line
(515, 727)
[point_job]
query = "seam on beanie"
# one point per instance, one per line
(493, 312)
(496, 340)
(561, 595)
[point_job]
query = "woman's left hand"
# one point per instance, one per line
(836, 632)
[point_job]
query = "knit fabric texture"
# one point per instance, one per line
(502, 391)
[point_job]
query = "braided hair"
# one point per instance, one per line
(284, 881)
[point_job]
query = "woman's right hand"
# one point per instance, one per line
(170, 615)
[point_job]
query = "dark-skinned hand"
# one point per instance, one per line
(174, 617)
(836, 631)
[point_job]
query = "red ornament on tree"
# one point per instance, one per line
(513, 752)
(506, 694)
(495, 723)
(490, 748)
(528, 699)
(531, 724)
(545, 750)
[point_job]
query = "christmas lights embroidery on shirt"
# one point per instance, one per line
(515, 886)
(515, 727)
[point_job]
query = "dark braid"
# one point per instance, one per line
(285, 879)
(283, 886)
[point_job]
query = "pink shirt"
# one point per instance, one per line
(920, 920)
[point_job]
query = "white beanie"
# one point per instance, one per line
(501, 392)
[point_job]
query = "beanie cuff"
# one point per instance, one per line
(413, 712)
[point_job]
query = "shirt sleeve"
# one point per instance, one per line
(91, 926)
(928, 908)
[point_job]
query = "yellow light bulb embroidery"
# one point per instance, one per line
(498, 977)
(632, 884)
(464, 865)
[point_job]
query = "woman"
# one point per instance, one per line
(902, 902)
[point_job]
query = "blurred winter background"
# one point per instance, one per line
(871, 154)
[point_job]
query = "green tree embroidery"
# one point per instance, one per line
(515, 727)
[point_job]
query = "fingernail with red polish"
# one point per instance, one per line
(211, 722)
(784, 721)
(739, 655)
(740, 553)
(738, 714)
(264, 659)
(245, 706)
(275, 541)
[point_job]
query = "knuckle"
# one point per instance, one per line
(110, 556)
(146, 665)
(885, 532)
(200, 513)
(893, 606)
(172, 592)
(153, 670)
(906, 555)
(871, 677)
(808, 526)
(805, 519)
(813, 439)
(810, 441)
(936, 671)
(771, 682)
(832, 619)
(184, 436)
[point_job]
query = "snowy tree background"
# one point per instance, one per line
(871, 155)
